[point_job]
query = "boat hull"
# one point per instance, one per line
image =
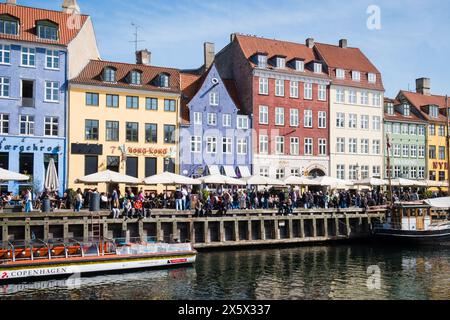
(429, 237)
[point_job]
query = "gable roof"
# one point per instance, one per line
(28, 17)
(398, 116)
(91, 75)
(420, 101)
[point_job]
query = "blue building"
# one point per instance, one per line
(35, 45)
(215, 135)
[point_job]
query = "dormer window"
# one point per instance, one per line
(340, 73)
(299, 65)
(356, 76)
(406, 110)
(214, 99)
(434, 112)
(262, 61)
(164, 80)
(281, 62)
(9, 25)
(317, 68)
(135, 77)
(390, 109)
(109, 75)
(372, 78)
(47, 30)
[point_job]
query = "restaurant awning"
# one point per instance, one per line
(245, 171)
(6, 175)
(229, 171)
(213, 170)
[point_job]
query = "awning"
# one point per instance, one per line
(245, 172)
(229, 171)
(214, 170)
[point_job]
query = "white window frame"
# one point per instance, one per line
(4, 123)
(279, 88)
(365, 98)
(376, 147)
(263, 115)
(262, 61)
(317, 67)
(294, 146)
(340, 145)
(5, 51)
(364, 122)
(281, 62)
(364, 146)
(212, 119)
(308, 91)
(299, 65)
(322, 92)
(376, 123)
(340, 74)
(279, 145)
(29, 125)
(53, 57)
(353, 145)
(211, 145)
(264, 86)
(372, 77)
(308, 119)
(293, 89)
(352, 121)
(242, 122)
(322, 120)
(226, 120)
(340, 171)
(28, 52)
(227, 145)
(323, 147)
(356, 76)
(214, 99)
(279, 116)
(52, 124)
(198, 118)
(294, 118)
(263, 144)
(5, 82)
(309, 147)
(196, 144)
(242, 146)
(352, 97)
(53, 86)
(340, 120)
(340, 96)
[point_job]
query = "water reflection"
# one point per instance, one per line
(322, 272)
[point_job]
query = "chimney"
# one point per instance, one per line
(70, 7)
(209, 53)
(423, 86)
(343, 43)
(232, 37)
(310, 42)
(144, 57)
(11, 2)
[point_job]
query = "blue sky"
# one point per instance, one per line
(413, 40)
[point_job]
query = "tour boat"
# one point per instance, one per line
(39, 259)
(413, 223)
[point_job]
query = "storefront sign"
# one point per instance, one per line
(440, 166)
(29, 148)
(150, 151)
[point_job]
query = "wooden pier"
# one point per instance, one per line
(237, 228)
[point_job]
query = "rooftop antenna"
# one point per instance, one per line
(136, 37)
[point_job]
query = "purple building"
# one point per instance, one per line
(215, 135)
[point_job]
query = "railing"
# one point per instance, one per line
(28, 102)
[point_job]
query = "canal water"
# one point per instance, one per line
(319, 272)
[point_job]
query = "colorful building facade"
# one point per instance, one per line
(37, 48)
(124, 118)
(215, 135)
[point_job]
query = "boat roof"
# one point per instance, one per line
(440, 203)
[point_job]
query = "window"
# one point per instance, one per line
(52, 59)
(91, 129)
(51, 128)
(322, 119)
(308, 121)
(421, 152)
(264, 172)
(169, 165)
(352, 97)
(169, 134)
(317, 68)
(356, 76)
(365, 146)
(279, 145)
(397, 148)
(442, 153)
(212, 119)
(340, 120)
(295, 172)
(308, 146)
(90, 165)
(113, 163)
(340, 95)
(405, 129)
(135, 77)
(442, 176)
(340, 170)
(432, 152)
(434, 111)
(198, 118)
(295, 146)
(132, 132)
(151, 104)
(299, 65)
(364, 172)
(241, 146)
(294, 89)
(214, 99)
(340, 145)
(279, 88)
(263, 115)
(92, 99)
(281, 62)
(170, 105)
(263, 144)
(340, 73)
(413, 173)
(47, 31)
(376, 99)
(322, 93)
(413, 151)
(352, 121)
(28, 57)
(412, 129)
(262, 61)
(4, 124)
(397, 171)
(5, 54)
(132, 165)
(421, 130)
(51, 91)
(27, 125)
(109, 75)
(365, 122)
(372, 77)
(164, 80)
(406, 110)
(8, 25)
(242, 122)
(263, 86)
(432, 175)
(405, 151)
(26, 163)
(279, 116)
(151, 133)
(376, 123)
(112, 101)
(376, 171)
(226, 120)
(396, 128)
(308, 94)
(322, 147)
(353, 145)
(388, 127)
(441, 131)
(227, 145)
(405, 172)
(112, 130)
(196, 144)
(390, 109)
(353, 172)
(211, 145)
(132, 102)
(364, 98)
(432, 130)
(421, 173)
(279, 173)
(376, 147)
(4, 87)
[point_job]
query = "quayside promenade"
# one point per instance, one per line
(237, 228)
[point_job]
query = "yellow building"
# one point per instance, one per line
(123, 117)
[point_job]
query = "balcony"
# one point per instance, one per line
(28, 102)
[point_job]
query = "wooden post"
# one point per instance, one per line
(325, 227)
(206, 232)
(46, 229)
(276, 226)
(65, 230)
(221, 231)
(142, 234)
(5, 235)
(249, 230)
(348, 227)
(291, 229)
(236, 230)
(302, 228)
(85, 229)
(175, 231)
(314, 224)
(336, 226)
(159, 237)
(262, 229)
(27, 230)
(192, 231)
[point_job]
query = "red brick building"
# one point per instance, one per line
(285, 87)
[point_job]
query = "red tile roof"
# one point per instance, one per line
(251, 45)
(92, 75)
(28, 17)
(398, 116)
(421, 101)
(190, 84)
(349, 59)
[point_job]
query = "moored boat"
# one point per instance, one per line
(38, 259)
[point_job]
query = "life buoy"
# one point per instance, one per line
(138, 205)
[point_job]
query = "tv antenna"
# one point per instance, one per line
(136, 36)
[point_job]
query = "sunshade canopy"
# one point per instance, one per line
(219, 179)
(6, 175)
(170, 179)
(109, 177)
